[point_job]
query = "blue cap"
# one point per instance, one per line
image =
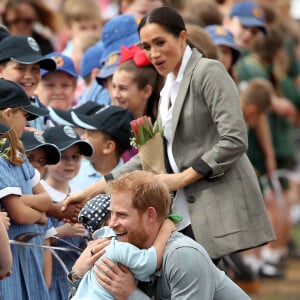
(223, 36)
(109, 67)
(121, 30)
(249, 13)
(63, 64)
(91, 59)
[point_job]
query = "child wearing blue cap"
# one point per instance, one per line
(89, 69)
(120, 30)
(227, 51)
(246, 19)
(57, 88)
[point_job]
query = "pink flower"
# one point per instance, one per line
(142, 131)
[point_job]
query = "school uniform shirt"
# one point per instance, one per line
(97, 93)
(27, 279)
(282, 130)
(42, 122)
(88, 174)
(59, 288)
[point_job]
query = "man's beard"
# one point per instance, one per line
(138, 237)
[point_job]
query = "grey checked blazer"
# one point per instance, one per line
(227, 209)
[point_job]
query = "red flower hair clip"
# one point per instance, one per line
(136, 54)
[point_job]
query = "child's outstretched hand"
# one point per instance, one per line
(71, 230)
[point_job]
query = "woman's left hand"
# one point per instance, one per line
(89, 256)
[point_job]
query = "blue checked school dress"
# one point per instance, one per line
(59, 289)
(27, 280)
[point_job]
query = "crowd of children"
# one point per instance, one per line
(73, 77)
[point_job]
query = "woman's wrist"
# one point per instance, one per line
(74, 276)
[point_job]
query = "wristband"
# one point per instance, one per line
(73, 276)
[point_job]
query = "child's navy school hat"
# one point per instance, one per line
(120, 30)
(64, 116)
(113, 120)
(63, 64)
(4, 128)
(64, 137)
(223, 36)
(13, 96)
(91, 59)
(249, 13)
(33, 140)
(24, 50)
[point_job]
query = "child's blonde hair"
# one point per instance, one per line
(15, 146)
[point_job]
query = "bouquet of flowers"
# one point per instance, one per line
(148, 140)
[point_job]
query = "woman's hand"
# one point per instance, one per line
(89, 256)
(177, 181)
(86, 194)
(117, 279)
(77, 198)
